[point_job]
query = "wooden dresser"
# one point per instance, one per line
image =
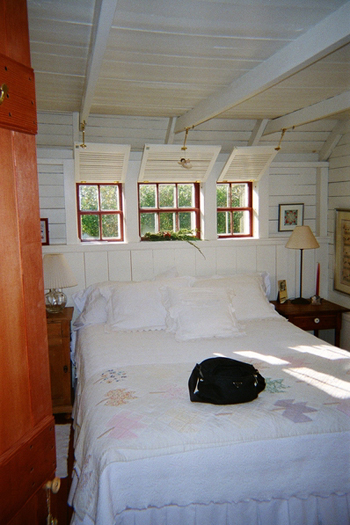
(59, 336)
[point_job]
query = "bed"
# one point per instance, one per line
(144, 454)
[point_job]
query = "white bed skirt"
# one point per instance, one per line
(333, 510)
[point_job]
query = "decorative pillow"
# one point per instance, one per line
(138, 305)
(197, 313)
(247, 295)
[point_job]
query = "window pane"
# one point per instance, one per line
(166, 195)
(222, 195)
(239, 195)
(167, 222)
(224, 223)
(241, 223)
(185, 195)
(147, 195)
(88, 198)
(110, 226)
(187, 221)
(109, 198)
(148, 223)
(90, 227)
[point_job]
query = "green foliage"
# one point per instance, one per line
(181, 235)
(229, 195)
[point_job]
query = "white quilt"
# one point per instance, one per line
(141, 443)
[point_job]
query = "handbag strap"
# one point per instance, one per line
(192, 382)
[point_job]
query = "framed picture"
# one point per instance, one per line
(290, 215)
(282, 291)
(44, 231)
(342, 251)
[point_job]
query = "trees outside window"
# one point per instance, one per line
(100, 215)
(234, 209)
(168, 207)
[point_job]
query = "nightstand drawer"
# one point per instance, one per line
(54, 332)
(317, 322)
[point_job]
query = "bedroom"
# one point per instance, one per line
(298, 174)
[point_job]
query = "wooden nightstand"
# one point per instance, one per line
(324, 316)
(59, 335)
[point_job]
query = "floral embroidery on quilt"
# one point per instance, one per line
(295, 411)
(112, 376)
(119, 396)
(123, 426)
(275, 386)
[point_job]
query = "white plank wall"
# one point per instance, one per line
(339, 198)
(62, 129)
(52, 199)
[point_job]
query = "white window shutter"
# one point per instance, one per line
(247, 163)
(101, 162)
(160, 163)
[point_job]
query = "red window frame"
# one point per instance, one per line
(157, 210)
(232, 209)
(100, 212)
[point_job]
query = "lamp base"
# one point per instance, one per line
(300, 300)
(55, 301)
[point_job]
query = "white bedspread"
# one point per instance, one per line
(141, 443)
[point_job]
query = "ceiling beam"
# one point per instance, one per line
(327, 36)
(333, 139)
(257, 132)
(102, 23)
(323, 109)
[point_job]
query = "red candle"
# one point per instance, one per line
(318, 280)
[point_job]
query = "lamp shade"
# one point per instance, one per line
(57, 273)
(302, 238)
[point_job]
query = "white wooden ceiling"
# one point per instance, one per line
(283, 63)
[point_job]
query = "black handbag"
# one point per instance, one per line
(224, 381)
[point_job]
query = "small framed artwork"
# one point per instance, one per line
(290, 216)
(342, 251)
(44, 231)
(282, 291)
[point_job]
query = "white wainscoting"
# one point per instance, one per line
(99, 262)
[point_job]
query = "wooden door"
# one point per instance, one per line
(27, 433)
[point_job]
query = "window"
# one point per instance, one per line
(168, 207)
(234, 209)
(100, 215)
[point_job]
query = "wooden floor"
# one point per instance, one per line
(59, 506)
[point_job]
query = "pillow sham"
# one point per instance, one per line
(138, 306)
(247, 295)
(199, 313)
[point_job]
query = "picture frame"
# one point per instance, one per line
(342, 251)
(282, 291)
(44, 232)
(290, 216)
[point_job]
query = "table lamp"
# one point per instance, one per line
(57, 275)
(301, 239)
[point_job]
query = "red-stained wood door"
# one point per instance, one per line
(27, 433)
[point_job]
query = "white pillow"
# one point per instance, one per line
(138, 305)
(197, 313)
(247, 295)
(94, 310)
